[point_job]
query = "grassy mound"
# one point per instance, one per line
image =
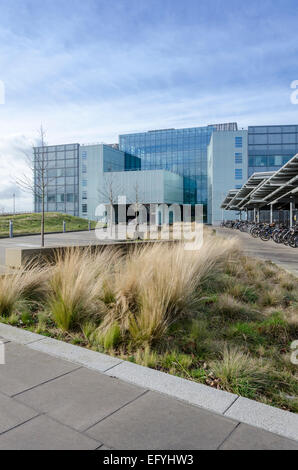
(30, 223)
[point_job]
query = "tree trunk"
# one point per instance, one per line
(42, 221)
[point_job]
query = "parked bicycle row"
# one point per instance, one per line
(279, 233)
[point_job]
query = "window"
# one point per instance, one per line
(60, 172)
(278, 160)
(261, 139)
(84, 208)
(289, 138)
(238, 157)
(84, 195)
(84, 168)
(84, 183)
(238, 186)
(238, 142)
(274, 138)
(51, 173)
(84, 155)
(70, 171)
(238, 174)
(70, 163)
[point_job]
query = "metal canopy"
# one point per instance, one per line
(283, 182)
(243, 195)
(228, 198)
(266, 188)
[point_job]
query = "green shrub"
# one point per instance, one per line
(247, 331)
(112, 336)
(239, 373)
(146, 357)
(275, 327)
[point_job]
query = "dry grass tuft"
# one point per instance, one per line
(157, 285)
(77, 286)
(25, 284)
(232, 308)
(240, 373)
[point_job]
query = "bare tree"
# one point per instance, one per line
(37, 162)
(109, 192)
(138, 208)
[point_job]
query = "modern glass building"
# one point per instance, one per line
(181, 151)
(270, 147)
(61, 171)
(208, 160)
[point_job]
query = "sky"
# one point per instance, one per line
(90, 70)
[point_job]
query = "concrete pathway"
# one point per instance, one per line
(50, 403)
(282, 255)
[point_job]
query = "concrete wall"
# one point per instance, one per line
(99, 158)
(221, 171)
(150, 186)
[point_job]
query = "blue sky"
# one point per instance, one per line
(91, 70)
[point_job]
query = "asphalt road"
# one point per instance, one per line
(282, 255)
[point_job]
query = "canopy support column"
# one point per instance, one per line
(291, 211)
(271, 213)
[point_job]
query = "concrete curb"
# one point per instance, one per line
(232, 406)
(192, 392)
(18, 335)
(85, 357)
(266, 417)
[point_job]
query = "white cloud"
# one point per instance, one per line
(99, 71)
(12, 165)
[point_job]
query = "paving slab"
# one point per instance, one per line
(82, 398)
(42, 433)
(246, 437)
(26, 368)
(266, 417)
(18, 335)
(4, 340)
(155, 421)
(86, 357)
(13, 413)
(54, 401)
(192, 392)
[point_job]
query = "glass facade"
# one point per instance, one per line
(182, 151)
(132, 163)
(61, 163)
(270, 147)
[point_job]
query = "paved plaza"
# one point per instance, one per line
(50, 403)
